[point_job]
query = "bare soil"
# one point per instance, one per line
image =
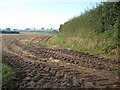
(40, 66)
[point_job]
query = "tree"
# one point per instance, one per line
(8, 29)
(42, 28)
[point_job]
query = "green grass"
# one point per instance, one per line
(87, 43)
(6, 72)
(96, 45)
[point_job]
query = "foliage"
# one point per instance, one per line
(41, 31)
(97, 30)
(9, 32)
(100, 19)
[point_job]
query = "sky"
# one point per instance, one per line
(41, 13)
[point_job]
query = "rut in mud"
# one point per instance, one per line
(39, 66)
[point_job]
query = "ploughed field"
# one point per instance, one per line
(40, 66)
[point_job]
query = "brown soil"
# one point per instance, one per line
(40, 66)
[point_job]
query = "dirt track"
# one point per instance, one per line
(39, 66)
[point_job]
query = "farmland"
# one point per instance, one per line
(38, 65)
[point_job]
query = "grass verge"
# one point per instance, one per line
(6, 72)
(97, 45)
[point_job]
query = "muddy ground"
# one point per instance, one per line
(40, 66)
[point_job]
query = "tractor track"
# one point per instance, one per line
(39, 66)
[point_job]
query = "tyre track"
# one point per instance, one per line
(38, 66)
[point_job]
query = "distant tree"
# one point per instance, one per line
(8, 29)
(55, 31)
(28, 29)
(33, 28)
(60, 27)
(42, 28)
(14, 29)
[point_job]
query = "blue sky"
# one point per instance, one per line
(40, 13)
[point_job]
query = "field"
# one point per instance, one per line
(40, 66)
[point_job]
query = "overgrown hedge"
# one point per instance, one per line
(103, 19)
(97, 30)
